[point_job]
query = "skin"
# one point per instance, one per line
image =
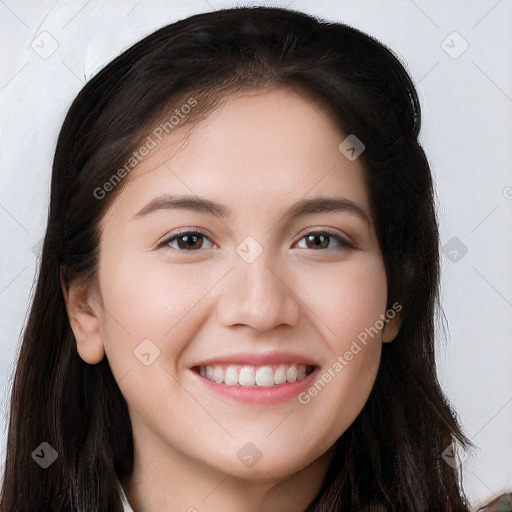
(257, 155)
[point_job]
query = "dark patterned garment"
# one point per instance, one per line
(503, 503)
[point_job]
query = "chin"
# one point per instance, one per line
(272, 460)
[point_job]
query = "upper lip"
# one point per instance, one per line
(255, 359)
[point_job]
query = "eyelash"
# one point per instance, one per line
(344, 244)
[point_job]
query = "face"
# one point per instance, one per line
(245, 321)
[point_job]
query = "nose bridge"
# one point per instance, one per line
(254, 294)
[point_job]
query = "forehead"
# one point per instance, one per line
(259, 146)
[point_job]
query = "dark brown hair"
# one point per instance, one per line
(390, 457)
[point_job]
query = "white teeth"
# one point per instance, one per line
(280, 375)
(231, 377)
(264, 376)
(248, 375)
(218, 374)
(291, 373)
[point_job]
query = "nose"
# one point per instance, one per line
(256, 295)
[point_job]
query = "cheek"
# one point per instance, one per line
(154, 301)
(150, 309)
(349, 310)
(347, 300)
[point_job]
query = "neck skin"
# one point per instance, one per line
(165, 479)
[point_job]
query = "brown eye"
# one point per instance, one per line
(187, 241)
(317, 241)
(323, 239)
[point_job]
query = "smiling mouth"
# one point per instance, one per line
(254, 376)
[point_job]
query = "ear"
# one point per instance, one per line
(391, 328)
(84, 311)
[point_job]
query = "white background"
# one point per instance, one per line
(466, 98)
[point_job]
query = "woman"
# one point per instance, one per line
(235, 305)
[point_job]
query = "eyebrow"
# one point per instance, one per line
(309, 206)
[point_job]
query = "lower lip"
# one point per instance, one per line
(259, 395)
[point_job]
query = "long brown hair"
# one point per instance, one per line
(390, 457)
